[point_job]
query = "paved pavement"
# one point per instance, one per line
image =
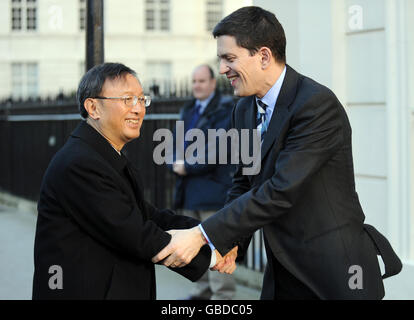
(16, 253)
(171, 286)
(17, 229)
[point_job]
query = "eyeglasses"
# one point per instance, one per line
(130, 101)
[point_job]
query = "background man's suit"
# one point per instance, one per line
(304, 198)
(205, 186)
(94, 223)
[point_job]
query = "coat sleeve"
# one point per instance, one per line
(315, 135)
(167, 219)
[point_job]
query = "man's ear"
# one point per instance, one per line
(266, 56)
(91, 106)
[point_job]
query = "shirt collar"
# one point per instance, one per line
(271, 96)
(204, 103)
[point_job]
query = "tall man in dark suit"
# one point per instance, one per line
(304, 197)
(96, 234)
(201, 188)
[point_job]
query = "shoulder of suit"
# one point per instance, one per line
(309, 89)
(77, 152)
(226, 100)
(244, 103)
(187, 106)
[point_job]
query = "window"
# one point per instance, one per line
(24, 80)
(150, 19)
(16, 15)
(31, 18)
(165, 20)
(82, 14)
(31, 80)
(158, 73)
(23, 15)
(157, 15)
(214, 13)
(17, 80)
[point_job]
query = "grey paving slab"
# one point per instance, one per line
(17, 230)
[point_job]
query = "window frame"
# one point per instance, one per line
(27, 17)
(157, 15)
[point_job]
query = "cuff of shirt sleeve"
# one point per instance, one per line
(205, 236)
(381, 265)
(213, 260)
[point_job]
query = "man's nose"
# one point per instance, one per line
(138, 108)
(196, 86)
(223, 68)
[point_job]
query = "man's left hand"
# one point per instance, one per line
(228, 263)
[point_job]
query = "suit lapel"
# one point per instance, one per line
(280, 112)
(250, 121)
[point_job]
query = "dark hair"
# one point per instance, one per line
(253, 28)
(92, 82)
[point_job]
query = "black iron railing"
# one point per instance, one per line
(32, 132)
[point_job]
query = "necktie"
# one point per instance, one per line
(195, 116)
(261, 121)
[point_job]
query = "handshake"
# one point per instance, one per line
(185, 245)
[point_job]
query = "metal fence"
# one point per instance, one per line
(32, 132)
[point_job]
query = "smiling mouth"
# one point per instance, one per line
(233, 79)
(133, 121)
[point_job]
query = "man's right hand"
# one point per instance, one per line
(183, 247)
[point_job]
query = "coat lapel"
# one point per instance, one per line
(280, 112)
(250, 121)
(120, 164)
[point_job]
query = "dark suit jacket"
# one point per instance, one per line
(205, 186)
(94, 223)
(304, 197)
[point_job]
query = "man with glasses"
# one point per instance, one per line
(96, 234)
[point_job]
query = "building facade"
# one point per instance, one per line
(42, 42)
